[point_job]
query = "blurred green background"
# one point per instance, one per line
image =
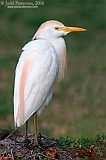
(78, 107)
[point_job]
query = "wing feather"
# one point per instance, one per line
(35, 77)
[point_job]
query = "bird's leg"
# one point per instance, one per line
(35, 128)
(26, 134)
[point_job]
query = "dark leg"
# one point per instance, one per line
(26, 134)
(35, 128)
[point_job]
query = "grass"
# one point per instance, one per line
(78, 106)
(81, 142)
(86, 148)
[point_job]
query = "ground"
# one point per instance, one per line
(13, 146)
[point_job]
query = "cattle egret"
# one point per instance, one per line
(41, 65)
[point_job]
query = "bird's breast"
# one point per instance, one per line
(60, 48)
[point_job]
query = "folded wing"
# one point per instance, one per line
(35, 76)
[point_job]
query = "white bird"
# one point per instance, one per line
(41, 65)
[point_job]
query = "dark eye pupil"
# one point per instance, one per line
(56, 28)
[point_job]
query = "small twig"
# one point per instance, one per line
(12, 154)
(4, 154)
(26, 152)
(11, 133)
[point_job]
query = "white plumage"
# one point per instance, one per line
(42, 70)
(41, 65)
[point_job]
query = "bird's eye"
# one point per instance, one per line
(57, 28)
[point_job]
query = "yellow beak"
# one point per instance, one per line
(70, 29)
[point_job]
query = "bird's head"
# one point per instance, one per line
(54, 29)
